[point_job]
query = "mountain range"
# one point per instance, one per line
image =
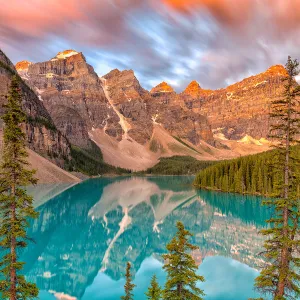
(69, 105)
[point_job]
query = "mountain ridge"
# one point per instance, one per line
(115, 110)
(48, 148)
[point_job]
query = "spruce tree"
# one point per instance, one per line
(154, 291)
(129, 286)
(181, 268)
(280, 277)
(15, 205)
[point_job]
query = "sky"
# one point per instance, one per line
(216, 42)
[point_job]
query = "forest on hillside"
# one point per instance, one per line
(253, 174)
(178, 165)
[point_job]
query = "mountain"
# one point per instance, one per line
(42, 135)
(22, 66)
(73, 95)
(162, 88)
(143, 110)
(184, 124)
(194, 91)
(132, 126)
(242, 108)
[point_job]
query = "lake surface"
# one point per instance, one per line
(86, 233)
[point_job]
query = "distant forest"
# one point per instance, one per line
(178, 165)
(253, 174)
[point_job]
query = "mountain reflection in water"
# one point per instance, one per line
(85, 235)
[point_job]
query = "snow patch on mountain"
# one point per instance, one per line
(65, 54)
(124, 124)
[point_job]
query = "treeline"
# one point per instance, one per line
(253, 174)
(178, 165)
(90, 162)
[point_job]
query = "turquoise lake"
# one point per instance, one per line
(86, 233)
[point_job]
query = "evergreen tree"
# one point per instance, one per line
(154, 291)
(15, 205)
(281, 276)
(254, 174)
(181, 268)
(129, 286)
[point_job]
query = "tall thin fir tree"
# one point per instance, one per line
(280, 276)
(15, 205)
(129, 286)
(154, 291)
(181, 268)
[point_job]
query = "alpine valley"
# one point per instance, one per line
(114, 121)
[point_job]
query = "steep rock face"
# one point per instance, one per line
(66, 83)
(129, 99)
(142, 109)
(42, 135)
(80, 103)
(242, 108)
(69, 121)
(166, 106)
(193, 92)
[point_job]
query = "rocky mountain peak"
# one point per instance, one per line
(277, 70)
(195, 91)
(194, 85)
(65, 54)
(23, 65)
(125, 78)
(162, 88)
(41, 133)
(73, 94)
(243, 108)
(258, 81)
(112, 73)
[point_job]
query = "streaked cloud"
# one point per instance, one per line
(215, 42)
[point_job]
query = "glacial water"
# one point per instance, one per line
(86, 233)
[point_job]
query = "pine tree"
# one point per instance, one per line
(15, 205)
(181, 268)
(129, 286)
(154, 291)
(281, 277)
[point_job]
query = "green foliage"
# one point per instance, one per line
(41, 121)
(94, 150)
(246, 175)
(29, 119)
(90, 162)
(154, 291)
(178, 165)
(181, 268)
(154, 146)
(280, 276)
(12, 72)
(15, 205)
(6, 67)
(129, 286)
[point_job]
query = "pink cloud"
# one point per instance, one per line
(103, 20)
(284, 13)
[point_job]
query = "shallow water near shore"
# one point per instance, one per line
(86, 233)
